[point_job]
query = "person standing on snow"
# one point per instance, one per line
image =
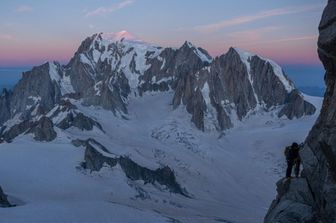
(293, 158)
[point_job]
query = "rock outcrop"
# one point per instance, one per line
(80, 121)
(4, 203)
(296, 107)
(319, 153)
(43, 130)
(294, 203)
(96, 156)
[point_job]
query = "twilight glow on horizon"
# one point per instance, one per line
(32, 32)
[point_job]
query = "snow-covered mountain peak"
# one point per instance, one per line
(109, 57)
(120, 38)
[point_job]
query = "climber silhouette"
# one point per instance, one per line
(293, 158)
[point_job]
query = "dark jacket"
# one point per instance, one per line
(292, 153)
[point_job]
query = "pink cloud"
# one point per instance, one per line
(252, 35)
(111, 9)
(251, 18)
(291, 39)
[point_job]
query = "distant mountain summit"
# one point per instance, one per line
(109, 69)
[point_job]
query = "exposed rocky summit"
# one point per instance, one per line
(107, 73)
(319, 153)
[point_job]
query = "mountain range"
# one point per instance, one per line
(107, 72)
(130, 129)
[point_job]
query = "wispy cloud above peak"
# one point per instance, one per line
(24, 8)
(110, 9)
(258, 16)
(120, 35)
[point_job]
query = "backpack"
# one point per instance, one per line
(287, 151)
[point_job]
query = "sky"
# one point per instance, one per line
(35, 31)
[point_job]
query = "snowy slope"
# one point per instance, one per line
(230, 177)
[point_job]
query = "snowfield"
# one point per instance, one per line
(229, 176)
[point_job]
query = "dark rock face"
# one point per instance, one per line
(95, 159)
(3, 200)
(266, 84)
(197, 108)
(319, 153)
